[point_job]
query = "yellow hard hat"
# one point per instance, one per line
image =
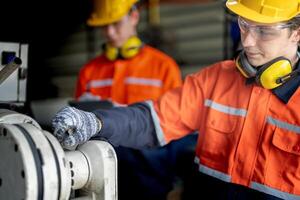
(109, 11)
(265, 11)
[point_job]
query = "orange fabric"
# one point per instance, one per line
(146, 76)
(247, 146)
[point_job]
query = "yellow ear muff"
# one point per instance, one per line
(128, 50)
(131, 47)
(111, 52)
(270, 73)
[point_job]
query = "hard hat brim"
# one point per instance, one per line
(249, 14)
(99, 22)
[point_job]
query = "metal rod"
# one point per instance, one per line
(9, 69)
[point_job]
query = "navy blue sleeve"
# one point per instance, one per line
(130, 126)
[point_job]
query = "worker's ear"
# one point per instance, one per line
(135, 17)
(295, 36)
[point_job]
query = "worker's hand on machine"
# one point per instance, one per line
(73, 126)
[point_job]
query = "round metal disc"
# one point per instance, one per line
(16, 166)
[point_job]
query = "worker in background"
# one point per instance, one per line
(246, 111)
(128, 70)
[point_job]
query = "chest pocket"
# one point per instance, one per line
(287, 141)
(223, 118)
(219, 137)
(283, 161)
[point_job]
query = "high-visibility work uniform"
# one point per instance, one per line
(248, 135)
(147, 75)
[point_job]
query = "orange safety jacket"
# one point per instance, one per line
(146, 76)
(247, 135)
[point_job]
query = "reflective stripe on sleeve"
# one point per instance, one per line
(99, 83)
(158, 129)
(144, 81)
(225, 109)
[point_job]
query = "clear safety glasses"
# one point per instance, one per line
(262, 32)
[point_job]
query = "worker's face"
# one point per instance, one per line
(119, 32)
(264, 42)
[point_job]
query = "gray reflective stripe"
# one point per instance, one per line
(99, 83)
(273, 192)
(158, 130)
(143, 81)
(89, 96)
(211, 172)
(256, 186)
(283, 125)
(225, 109)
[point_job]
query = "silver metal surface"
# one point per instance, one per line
(34, 166)
(9, 69)
(13, 89)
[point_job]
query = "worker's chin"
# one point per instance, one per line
(115, 44)
(255, 58)
(256, 62)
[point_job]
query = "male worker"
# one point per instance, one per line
(128, 71)
(246, 112)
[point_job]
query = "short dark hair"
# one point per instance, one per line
(295, 22)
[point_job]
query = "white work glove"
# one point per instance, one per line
(73, 126)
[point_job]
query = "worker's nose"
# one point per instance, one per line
(248, 39)
(109, 30)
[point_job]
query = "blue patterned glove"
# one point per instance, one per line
(73, 126)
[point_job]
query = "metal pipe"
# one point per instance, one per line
(8, 69)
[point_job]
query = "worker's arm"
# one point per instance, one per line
(173, 78)
(130, 126)
(127, 126)
(176, 114)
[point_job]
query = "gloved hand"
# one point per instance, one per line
(73, 126)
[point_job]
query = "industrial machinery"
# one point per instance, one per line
(34, 166)
(13, 89)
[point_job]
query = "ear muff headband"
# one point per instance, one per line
(244, 66)
(269, 74)
(128, 50)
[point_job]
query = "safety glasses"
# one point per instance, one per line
(262, 32)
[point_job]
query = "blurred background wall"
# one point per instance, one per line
(193, 32)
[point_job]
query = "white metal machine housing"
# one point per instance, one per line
(35, 167)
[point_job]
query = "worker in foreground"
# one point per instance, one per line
(128, 70)
(246, 111)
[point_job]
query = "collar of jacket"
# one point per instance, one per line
(286, 90)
